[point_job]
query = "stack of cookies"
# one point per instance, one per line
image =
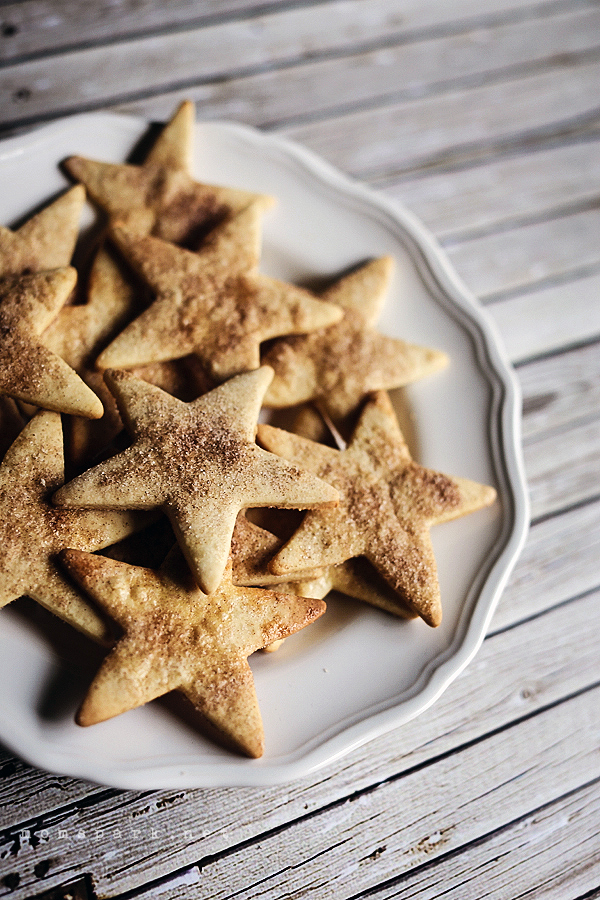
(158, 362)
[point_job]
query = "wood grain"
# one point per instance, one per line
(560, 391)
(553, 850)
(559, 561)
(460, 125)
(559, 476)
(528, 255)
(230, 53)
(503, 192)
(549, 318)
(338, 81)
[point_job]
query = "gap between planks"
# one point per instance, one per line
(553, 848)
(559, 391)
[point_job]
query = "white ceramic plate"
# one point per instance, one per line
(356, 672)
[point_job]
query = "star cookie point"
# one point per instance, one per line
(44, 241)
(337, 366)
(33, 531)
(213, 303)
(387, 504)
(178, 638)
(29, 371)
(161, 196)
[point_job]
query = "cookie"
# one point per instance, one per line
(80, 332)
(33, 531)
(199, 463)
(252, 549)
(337, 366)
(213, 303)
(178, 638)
(46, 240)
(387, 504)
(29, 371)
(356, 578)
(160, 196)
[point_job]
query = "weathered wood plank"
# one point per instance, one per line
(563, 472)
(559, 560)
(559, 391)
(127, 840)
(548, 270)
(32, 26)
(394, 828)
(508, 261)
(503, 192)
(458, 126)
(550, 318)
(26, 788)
(552, 854)
(226, 55)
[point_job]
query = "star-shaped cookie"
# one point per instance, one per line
(33, 532)
(199, 463)
(338, 365)
(213, 303)
(177, 638)
(161, 196)
(46, 240)
(29, 371)
(387, 504)
(81, 331)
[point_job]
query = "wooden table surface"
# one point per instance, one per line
(483, 118)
